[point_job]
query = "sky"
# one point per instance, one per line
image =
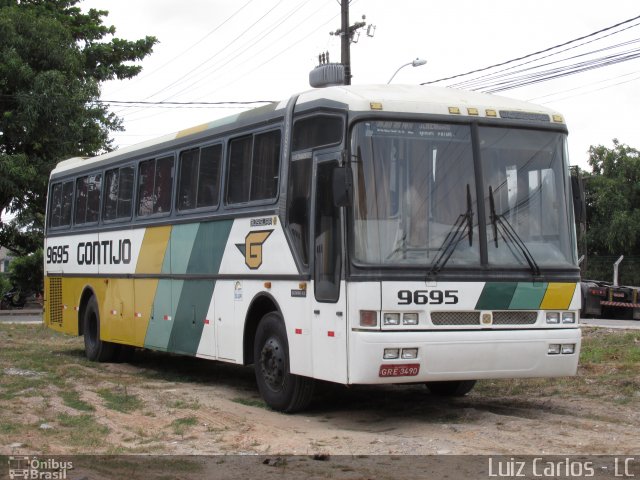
(249, 50)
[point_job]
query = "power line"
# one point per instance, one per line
(468, 83)
(500, 81)
(243, 32)
(531, 54)
(211, 32)
(234, 56)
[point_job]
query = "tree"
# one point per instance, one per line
(612, 192)
(613, 200)
(53, 59)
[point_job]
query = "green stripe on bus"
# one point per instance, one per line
(161, 322)
(208, 247)
(180, 306)
(496, 296)
(528, 296)
(182, 240)
(190, 315)
(205, 257)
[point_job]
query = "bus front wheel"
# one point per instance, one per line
(280, 389)
(95, 349)
(452, 388)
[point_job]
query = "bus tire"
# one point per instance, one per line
(452, 388)
(280, 389)
(95, 349)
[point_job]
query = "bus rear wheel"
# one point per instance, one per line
(95, 349)
(452, 388)
(280, 389)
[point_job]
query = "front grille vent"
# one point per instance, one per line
(455, 318)
(514, 318)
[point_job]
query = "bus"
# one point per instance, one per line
(349, 234)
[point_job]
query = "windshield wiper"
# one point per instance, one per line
(463, 223)
(509, 234)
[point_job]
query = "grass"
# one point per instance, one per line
(42, 375)
(181, 425)
(119, 399)
(71, 398)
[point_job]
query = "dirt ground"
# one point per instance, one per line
(163, 404)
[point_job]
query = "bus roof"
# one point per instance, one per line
(388, 98)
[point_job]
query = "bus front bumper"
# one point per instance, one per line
(461, 355)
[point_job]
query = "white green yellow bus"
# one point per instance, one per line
(351, 234)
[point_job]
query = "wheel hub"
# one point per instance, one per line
(272, 364)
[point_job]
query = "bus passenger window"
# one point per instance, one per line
(188, 179)
(163, 185)
(254, 165)
(199, 177)
(87, 199)
(266, 163)
(154, 186)
(67, 201)
(209, 176)
(239, 171)
(60, 204)
(125, 192)
(146, 177)
(118, 191)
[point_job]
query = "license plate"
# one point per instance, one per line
(407, 370)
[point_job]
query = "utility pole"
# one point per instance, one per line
(327, 73)
(345, 41)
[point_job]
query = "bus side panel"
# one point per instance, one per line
(191, 312)
(116, 312)
(150, 261)
(180, 305)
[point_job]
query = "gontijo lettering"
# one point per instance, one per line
(106, 252)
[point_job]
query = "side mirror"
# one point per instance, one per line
(342, 186)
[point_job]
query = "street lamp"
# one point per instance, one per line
(416, 63)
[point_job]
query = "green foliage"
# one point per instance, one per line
(53, 58)
(5, 284)
(612, 193)
(26, 272)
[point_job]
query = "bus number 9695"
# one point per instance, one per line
(432, 297)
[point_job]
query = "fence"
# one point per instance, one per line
(601, 268)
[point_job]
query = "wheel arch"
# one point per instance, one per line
(261, 304)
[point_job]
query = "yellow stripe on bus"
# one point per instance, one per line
(154, 246)
(558, 296)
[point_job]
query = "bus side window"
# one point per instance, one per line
(254, 164)
(239, 171)
(118, 192)
(155, 185)
(209, 176)
(61, 203)
(198, 180)
(55, 205)
(163, 185)
(87, 199)
(146, 177)
(266, 165)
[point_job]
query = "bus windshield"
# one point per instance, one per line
(415, 198)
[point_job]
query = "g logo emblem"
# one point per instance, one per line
(252, 248)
